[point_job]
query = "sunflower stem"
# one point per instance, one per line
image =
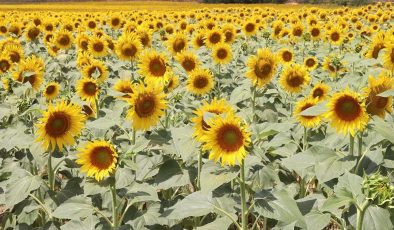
(133, 138)
(114, 212)
(351, 145)
(360, 143)
(199, 170)
(360, 214)
(50, 173)
(243, 196)
(305, 139)
(254, 89)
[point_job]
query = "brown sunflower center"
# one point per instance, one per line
(215, 38)
(92, 25)
(277, 30)
(90, 88)
(250, 27)
(262, 68)
(200, 82)
(222, 54)
(101, 157)
(49, 27)
(33, 33)
(229, 35)
(307, 106)
(230, 138)
(3, 29)
(188, 64)
(287, 56)
(98, 46)
(87, 110)
(64, 40)
(144, 39)
(347, 108)
(93, 69)
(15, 57)
(335, 36)
(317, 93)
(129, 50)
(4, 65)
(310, 62)
(376, 50)
(295, 80)
(50, 90)
(145, 105)
(84, 44)
(297, 32)
(200, 41)
(381, 102)
(48, 37)
(58, 124)
(115, 21)
(157, 67)
(179, 45)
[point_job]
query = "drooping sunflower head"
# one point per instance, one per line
(126, 87)
(311, 63)
(227, 139)
(88, 89)
(188, 60)
(30, 70)
(320, 91)
(147, 107)
(262, 67)
(200, 82)
(153, 65)
(377, 105)
(63, 39)
(294, 78)
(177, 43)
(388, 55)
(98, 46)
(97, 159)
(306, 121)
(128, 47)
(5, 63)
(51, 90)
(286, 55)
(377, 44)
(222, 53)
(95, 69)
(347, 112)
(200, 121)
(59, 125)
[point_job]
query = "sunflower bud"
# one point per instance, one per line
(244, 46)
(379, 190)
(266, 35)
(307, 37)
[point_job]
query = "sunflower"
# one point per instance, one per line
(311, 63)
(128, 47)
(126, 87)
(51, 91)
(30, 70)
(59, 125)
(347, 112)
(262, 67)
(145, 36)
(215, 107)
(388, 56)
(293, 78)
(227, 139)
(306, 121)
(286, 55)
(229, 32)
(177, 43)
(297, 31)
(95, 69)
(320, 91)
(222, 53)
(97, 159)
(199, 39)
(115, 21)
(188, 60)
(172, 82)
(147, 106)
(89, 110)
(377, 44)
(250, 28)
(15, 29)
(333, 65)
(63, 39)
(335, 36)
(200, 82)
(88, 89)
(98, 46)
(5, 63)
(213, 37)
(83, 41)
(32, 32)
(48, 37)
(153, 66)
(6, 83)
(377, 105)
(83, 58)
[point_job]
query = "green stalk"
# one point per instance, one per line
(114, 212)
(254, 88)
(51, 176)
(243, 197)
(199, 170)
(305, 139)
(360, 214)
(133, 139)
(360, 144)
(351, 145)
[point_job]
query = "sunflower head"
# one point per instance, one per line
(126, 87)
(214, 37)
(95, 69)
(59, 125)
(262, 67)
(128, 47)
(97, 159)
(153, 65)
(222, 53)
(30, 70)
(377, 105)
(88, 89)
(294, 78)
(5, 63)
(177, 43)
(98, 46)
(306, 121)
(286, 55)
(188, 60)
(63, 39)
(200, 82)
(320, 91)
(51, 91)
(311, 63)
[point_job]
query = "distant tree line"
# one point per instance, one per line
(339, 2)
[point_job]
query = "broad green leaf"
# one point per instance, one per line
(213, 176)
(377, 218)
(315, 220)
(384, 128)
(349, 185)
(315, 110)
(87, 224)
(387, 93)
(195, 204)
(123, 177)
(182, 143)
(141, 192)
(74, 208)
(18, 190)
(221, 223)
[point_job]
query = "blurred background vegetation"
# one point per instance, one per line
(339, 2)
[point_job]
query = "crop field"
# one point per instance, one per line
(160, 115)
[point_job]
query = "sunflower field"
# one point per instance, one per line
(191, 116)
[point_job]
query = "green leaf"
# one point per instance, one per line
(142, 192)
(387, 93)
(349, 185)
(315, 110)
(182, 143)
(171, 175)
(221, 223)
(18, 190)
(87, 224)
(315, 220)
(384, 128)
(195, 204)
(377, 218)
(74, 208)
(213, 176)
(123, 177)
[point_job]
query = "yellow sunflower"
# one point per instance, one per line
(124, 86)
(59, 125)
(377, 44)
(97, 159)
(30, 70)
(311, 63)
(200, 82)
(89, 110)
(147, 106)
(88, 89)
(222, 53)
(230, 33)
(95, 69)
(188, 60)
(51, 90)
(98, 46)
(15, 52)
(335, 36)
(215, 107)
(377, 105)
(213, 37)
(63, 39)
(250, 28)
(262, 67)
(306, 121)
(226, 139)
(199, 39)
(388, 56)
(320, 91)
(294, 78)
(5, 63)
(128, 47)
(347, 112)
(32, 32)
(286, 55)
(177, 43)
(83, 41)
(153, 66)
